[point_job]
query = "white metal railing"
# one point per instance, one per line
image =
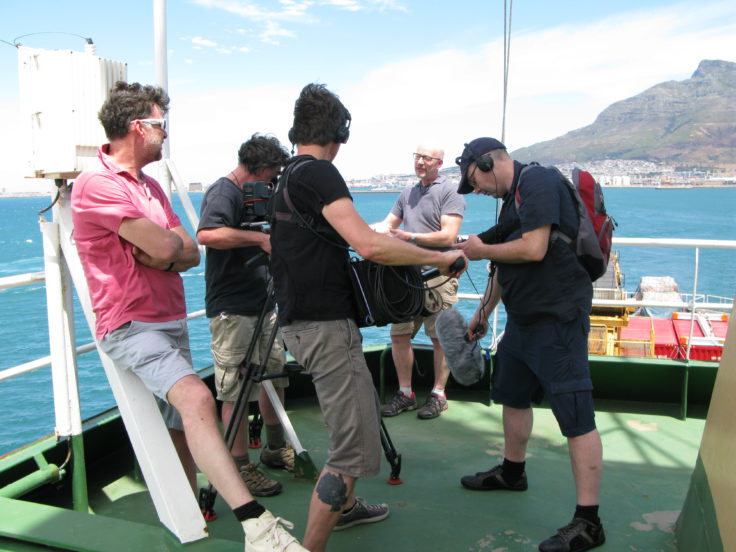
(46, 360)
(696, 302)
(8, 282)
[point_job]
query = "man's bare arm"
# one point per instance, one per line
(225, 237)
(444, 237)
(343, 217)
(158, 247)
(387, 225)
(530, 247)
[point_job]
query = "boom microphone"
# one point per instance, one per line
(464, 358)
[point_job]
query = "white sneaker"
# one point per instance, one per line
(266, 534)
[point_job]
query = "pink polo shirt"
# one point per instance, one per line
(121, 288)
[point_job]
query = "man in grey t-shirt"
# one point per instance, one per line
(432, 212)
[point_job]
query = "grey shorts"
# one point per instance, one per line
(547, 359)
(331, 352)
(231, 335)
(158, 353)
(436, 300)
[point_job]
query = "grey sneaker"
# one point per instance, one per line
(433, 407)
(578, 535)
(397, 404)
(361, 513)
(278, 458)
(269, 534)
(257, 483)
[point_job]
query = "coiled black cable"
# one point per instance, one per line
(385, 294)
(404, 299)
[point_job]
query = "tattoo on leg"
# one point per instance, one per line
(332, 490)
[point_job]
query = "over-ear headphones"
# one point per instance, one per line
(484, 163)
(343, 131)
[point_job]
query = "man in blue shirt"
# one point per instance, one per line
(544, 351)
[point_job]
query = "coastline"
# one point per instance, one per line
(638, 186)
(397, 190)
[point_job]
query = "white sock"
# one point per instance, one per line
(439, 392)
(406, 391)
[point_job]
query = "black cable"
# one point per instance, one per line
(59, 183)
(56, 199)
(403, 306)
(491, 273)
(17, 38)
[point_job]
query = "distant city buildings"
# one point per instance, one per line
(614, 173)
(610, 172)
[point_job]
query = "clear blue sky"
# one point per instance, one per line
(408, 70)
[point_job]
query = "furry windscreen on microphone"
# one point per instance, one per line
(463, 358)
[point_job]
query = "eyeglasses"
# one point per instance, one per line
(425, 158)
(161, 123)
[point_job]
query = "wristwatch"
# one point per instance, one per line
(413, 239)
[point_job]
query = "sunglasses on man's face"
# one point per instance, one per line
(161, 123)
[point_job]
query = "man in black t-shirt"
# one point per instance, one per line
(544, 351)
(316, 309)
(236, 276)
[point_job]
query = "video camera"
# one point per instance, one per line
(255, 203)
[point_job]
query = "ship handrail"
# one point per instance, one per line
(18, 280)
(30, 278)
(45, 361)
(676, 242)
(723, 305)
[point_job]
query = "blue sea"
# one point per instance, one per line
(26, 402)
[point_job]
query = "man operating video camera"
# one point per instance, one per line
(236, 277)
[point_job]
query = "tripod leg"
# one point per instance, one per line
(393, 457)
(254, 431)
(304, 468)
(207, 495)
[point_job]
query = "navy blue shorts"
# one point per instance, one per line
(548, 358)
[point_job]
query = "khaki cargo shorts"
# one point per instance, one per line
(231, 335)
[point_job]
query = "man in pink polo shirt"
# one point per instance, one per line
(132, 246)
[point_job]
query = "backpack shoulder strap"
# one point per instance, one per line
(517, 194)
(556, 233)
(280, 215)
(294, 212)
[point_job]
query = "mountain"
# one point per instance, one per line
(685, 123)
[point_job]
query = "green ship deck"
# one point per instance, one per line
(649, 454)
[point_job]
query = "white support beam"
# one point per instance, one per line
(168, 486)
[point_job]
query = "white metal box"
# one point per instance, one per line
(61, 92)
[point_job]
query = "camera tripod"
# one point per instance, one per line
(304, 467)
(250, 374)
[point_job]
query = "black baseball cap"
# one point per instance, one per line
(473, 150)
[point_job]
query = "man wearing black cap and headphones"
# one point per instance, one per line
(544, 351)
(314, 222)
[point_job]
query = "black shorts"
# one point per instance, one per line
(548, 358)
